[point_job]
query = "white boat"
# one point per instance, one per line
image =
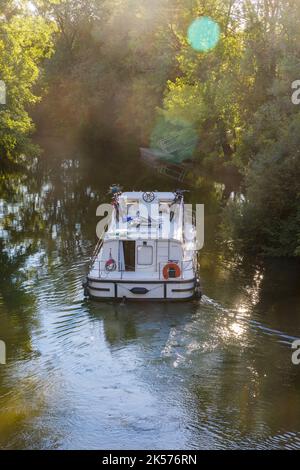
(148, 251)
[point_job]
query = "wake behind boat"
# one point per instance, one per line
(148, 251)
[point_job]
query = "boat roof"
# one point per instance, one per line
(154, 225)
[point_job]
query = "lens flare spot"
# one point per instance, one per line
(203, 34)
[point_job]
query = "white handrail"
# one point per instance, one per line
(185, 265)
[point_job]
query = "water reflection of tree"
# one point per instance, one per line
(18, 305)
(140, 323)
(31, 205)
(17, 320)
(279, 298)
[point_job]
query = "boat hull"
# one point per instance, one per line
(142, 290)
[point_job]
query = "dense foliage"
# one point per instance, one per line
(25, 40)
(127, 70)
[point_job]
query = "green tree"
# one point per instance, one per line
(25, 40)
(267, 220)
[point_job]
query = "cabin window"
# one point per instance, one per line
(145, 255)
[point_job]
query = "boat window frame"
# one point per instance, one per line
(137, 258)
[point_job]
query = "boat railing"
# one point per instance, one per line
(103, 273)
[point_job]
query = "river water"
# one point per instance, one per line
(81, 374)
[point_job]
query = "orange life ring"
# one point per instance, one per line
(173, 266)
